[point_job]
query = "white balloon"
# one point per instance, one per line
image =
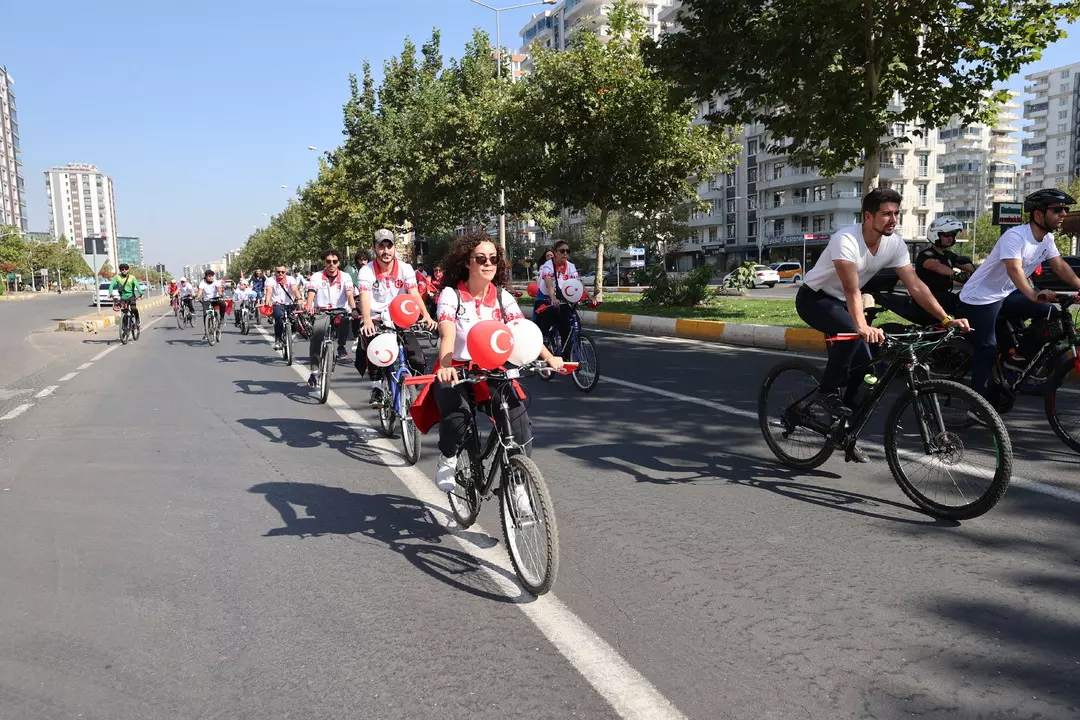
(573, 290)
(382, 351)
(528, 341)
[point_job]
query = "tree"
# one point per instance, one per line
(822, 77)
(593, 126)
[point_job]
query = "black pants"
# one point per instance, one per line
(557, 316)
(413, 352)
(134, 309)
(189, 303)
(318, 331)
(826, 314)
(456, 404)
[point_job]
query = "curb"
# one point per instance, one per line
(772, 337)
(93, 323)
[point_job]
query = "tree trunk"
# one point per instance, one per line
(872, 147)
(598, 282)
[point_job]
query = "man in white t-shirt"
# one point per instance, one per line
(280, 292)
(331, 288)
(830, 299)
(1000, 285)
(210, 289)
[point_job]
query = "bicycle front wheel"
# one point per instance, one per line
(387, 416)
(211, 328)
(588, 372)
(410, 434)
(245, 322)
(179, 317)
(795, 428)
(326, 365)
(286, 344)
(1063, 403)
(528, 520)
(124, 329)
(950, 472)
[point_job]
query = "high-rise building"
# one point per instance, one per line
(12, 201)
(81, 207)
(553, 28)
(1053, 150)
(976, 166)
(129, 250)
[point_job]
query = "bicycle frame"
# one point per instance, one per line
(1071, 342)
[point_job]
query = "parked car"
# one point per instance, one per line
(1045, 279)
(623, 278)
(143, 287)
(788, 271)
(764, 275)
(103, 293)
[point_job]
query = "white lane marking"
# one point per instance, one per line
(19, 410)
(626, 690)
(84, 366)
(67, 377)
(1017, 481)
(47, 391)
(710, 344)
(103, 353)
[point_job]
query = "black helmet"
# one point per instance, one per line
(123, 267)
(1042, 199)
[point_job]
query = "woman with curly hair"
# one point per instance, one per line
(474, 289)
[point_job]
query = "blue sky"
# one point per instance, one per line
(200, 111)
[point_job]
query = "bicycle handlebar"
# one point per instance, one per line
(475, 375)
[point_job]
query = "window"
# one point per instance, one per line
(898, 187)
(751, 202)
(804, 224)
(922, 194)
(1061, 167)
(924, 165)
(751, 147)
(819, 192)
(1060, 154)
(832, 220)
(855, 218)
(801, 195)
(819, 223)
(731, 206)
(730, 177)
(777, 199)
(778, 227)
(777, 170)
(1063, 88)
(1064, 74)
(751, 229)
(730, 233)
(712, 183)
(858, 188)
(899, 129)
(712, 106)
(1063, 101)
(751, 174)
(1062, 114)
(717, 208)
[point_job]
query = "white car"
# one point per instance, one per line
(103, 294)
(764, 275)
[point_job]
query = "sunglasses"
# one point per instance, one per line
(1059, 209)
(563, 251)
(486, 260)
(280, 272)
(332, 262)
(384, 244)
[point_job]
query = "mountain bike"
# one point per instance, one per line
(247, 311)
(578, 347)
(501, 466)
(945, 444)
(398, 396)
(187, 315)
(211, 321)
(326, 361)
(177, 312)
(129, 329)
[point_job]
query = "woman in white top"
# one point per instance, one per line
(473, 290)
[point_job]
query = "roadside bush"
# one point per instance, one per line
(688, 291)
(741, 277)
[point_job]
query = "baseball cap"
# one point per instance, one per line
(384, 235)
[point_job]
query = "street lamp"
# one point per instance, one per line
(498, 70)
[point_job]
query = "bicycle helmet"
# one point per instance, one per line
(123, 267)
(944, 225)
(1042, 199)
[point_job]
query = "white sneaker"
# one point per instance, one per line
(444, 474)
(521, 500)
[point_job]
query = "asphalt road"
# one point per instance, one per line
(185, 533)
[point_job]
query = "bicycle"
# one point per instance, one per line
(532, 538)
(930, 414)
(246, 312)
(129, 329)
(398, 397)
(578, 348)
(327, 362)
(211, 321)
(177, 312)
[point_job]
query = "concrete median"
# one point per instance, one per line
(93, 322)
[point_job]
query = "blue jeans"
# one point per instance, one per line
(826, 314)
(279, 321)
(983, 318)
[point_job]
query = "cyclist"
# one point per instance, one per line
(360, 259)
(938, 265)
(329, 288)
(172, 290)
(210, 289)
(830, 299)
(280, 292)
(1000, 286)
(258, 284)
(474, 290)
(553, 273)
(183, 290)
(241, 295)
(380, 281)
(126, 287)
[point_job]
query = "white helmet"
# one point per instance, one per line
(944, 225)
(183, 279)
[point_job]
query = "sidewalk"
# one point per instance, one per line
(93, 322)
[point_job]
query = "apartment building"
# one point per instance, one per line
(977, 165)
(1052, 151)
(81, 207)
(12, 188)
(129, 250)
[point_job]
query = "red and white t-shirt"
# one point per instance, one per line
(331, 293)
(471, 311)
(281, 293)
(384, 287)
(559, 275)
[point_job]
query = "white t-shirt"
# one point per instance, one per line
(547, 270)
(384, 288)
(991, 281)
(847, 244)
(210, 291)
(242, 294)
(184, 289)
(330, 294)
(472, 311)
(281, 293)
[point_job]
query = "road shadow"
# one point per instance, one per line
(101, 341)
(402, 524)
(185, 341)
(301, 433)
(295, 391)
(260, 359)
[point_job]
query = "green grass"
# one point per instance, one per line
(724, 309)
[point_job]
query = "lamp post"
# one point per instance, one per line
(498, 70)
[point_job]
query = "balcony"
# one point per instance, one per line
(1037, 109)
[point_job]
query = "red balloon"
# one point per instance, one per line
(534, 289)
(404, 310)
(490, 343)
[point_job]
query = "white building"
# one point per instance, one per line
(976, 166)
(12, 201)
(195, 273)
(553, 28)
(1053, 148)
(81, 206)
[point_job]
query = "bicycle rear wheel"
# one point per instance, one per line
(410, 434)
(949, 472)
(134, 328)
(387, 417)
(528, 520)
(588, 372)
(1063, 403)
(465, 498)
(792, 424)
(326, 366)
